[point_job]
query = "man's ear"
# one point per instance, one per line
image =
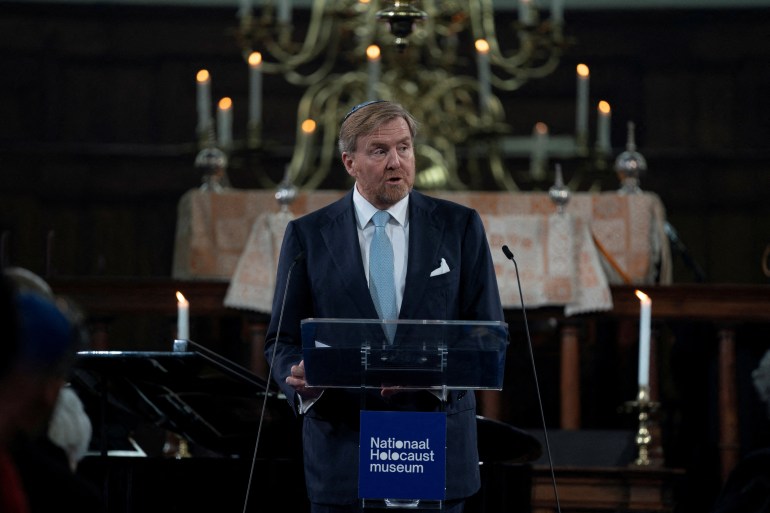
(347, 161)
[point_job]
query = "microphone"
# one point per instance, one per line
(509, 256)
(300, 256)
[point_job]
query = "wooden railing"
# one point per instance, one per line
(724, 306)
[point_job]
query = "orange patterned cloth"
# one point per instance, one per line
(564, 259)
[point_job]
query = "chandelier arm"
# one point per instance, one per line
(313, 101)
(483, 23)
(449, 154)
(463, 123)
(296, 78)
(525, 75)
(315, 41)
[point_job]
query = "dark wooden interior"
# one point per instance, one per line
(97, 145)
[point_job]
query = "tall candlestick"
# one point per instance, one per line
(203, 80)
(373, 76)
(255, 88)
(182, 317)
(225, 123)
(581, 114)
(604, 115)
(482, 62)
(644, 338)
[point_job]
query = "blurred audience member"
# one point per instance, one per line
(13, 498)
(49, 337)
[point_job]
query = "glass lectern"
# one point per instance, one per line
(438, 356)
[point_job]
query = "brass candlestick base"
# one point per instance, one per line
(644, 407)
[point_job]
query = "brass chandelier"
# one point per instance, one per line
(420, 54)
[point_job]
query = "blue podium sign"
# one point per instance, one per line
(402, 455)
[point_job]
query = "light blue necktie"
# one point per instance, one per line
(382, 282)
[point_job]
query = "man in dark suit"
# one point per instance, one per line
(442, 270)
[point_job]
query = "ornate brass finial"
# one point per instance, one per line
(401, 16)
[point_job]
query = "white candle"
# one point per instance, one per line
(373, 76)
(203, 80)
(539, 157)
(644, 338)
(308, 128)
(482, 61)
(284, 11)
(182, 317)
(225, 123)
(604, 114)
(557, 12)
(525, 12)
(255, 88)
(581, 114)
(244, 8)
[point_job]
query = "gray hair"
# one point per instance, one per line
(364, 119)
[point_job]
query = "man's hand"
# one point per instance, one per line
(297, 381)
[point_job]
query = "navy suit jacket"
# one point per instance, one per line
(329, 282)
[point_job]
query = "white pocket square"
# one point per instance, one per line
(443, 268)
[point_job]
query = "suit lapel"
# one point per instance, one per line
(341, 238)
(425, 235)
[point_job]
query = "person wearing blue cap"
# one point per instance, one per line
(48, 338)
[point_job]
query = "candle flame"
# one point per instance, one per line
(225, 103)
(541, 128)
(373, 52)
(604, 107)
(482, 46)
(255, 59)
(180, 298)
(644, 298)
(308, 126)
(582, 70)
(202, 75)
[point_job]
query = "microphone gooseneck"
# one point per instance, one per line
(298, 258)
(509, 256)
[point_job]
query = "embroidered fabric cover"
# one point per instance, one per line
(564, 260)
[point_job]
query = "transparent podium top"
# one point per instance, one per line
(423, 354)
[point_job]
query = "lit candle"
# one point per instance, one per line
(603, 128)
(182, 317)
(225, 123)
(644, 338)
(284, 11)
(373, 77)
(203, 80)
(482, 61)
(255, 88)
(581, 115)
(308, 128)
(537, 163)
(525, 12)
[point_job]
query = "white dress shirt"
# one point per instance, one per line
(397, 230)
